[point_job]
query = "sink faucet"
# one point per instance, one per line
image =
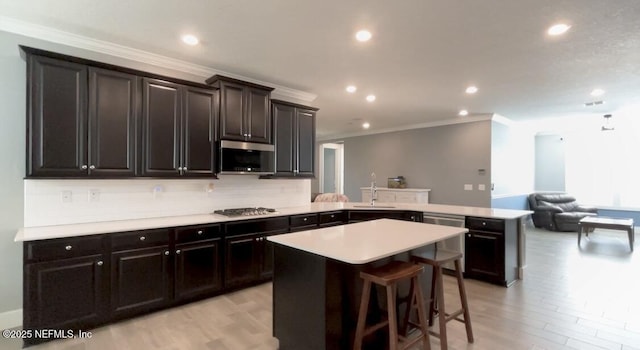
(374, 190)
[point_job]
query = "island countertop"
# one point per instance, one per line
(367, 241)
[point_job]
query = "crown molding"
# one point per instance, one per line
(457, 120)
(502, 120)
(57, 36)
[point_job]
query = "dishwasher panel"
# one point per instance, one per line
(455, 244)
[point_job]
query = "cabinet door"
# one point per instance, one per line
(484, 255)
(57, 118)
(241, 260)
(266, 255)
(66, 294)
(112, 123)
(232, 104)
(160, 128)
(305, 140)
(406, 197)
(198, 120)
(139, 280)
(283, 133)
(198, 270)
(258, 116)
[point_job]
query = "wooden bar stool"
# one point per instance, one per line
(437, 294)
(388, 276)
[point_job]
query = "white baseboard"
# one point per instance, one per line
(11, 319)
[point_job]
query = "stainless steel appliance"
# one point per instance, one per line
(455, 244)
(245, 211)
(246, 158)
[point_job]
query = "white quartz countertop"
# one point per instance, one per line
(367, 241)
(71, 230)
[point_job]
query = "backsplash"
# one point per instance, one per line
(47, 202)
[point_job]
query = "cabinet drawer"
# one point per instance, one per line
(63, 248)
(386, 197)
(259, 225)
(304, 220)
(198, 233)
(139, 239)
(485, 224)
(335, 217)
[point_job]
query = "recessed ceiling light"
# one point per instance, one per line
(371, 98)
(558, 29)
(363, 35)
(366, 125)
(190, 39)
(351, 89)
(463, 112)
(471, 89)
(597, 92)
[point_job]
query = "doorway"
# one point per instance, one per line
(331, 168)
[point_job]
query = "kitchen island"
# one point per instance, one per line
(316, 283)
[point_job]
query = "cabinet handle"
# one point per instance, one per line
(83, 167)
(485, 237)
(305, 219)
(199, 232)
(92, 167)
(142, 238)
(100, 263)
(166, 252)
(333, 216)
(249, 135)
(484, 223)
(184, 169)
(180, 168)
(178, 252)
(68, 247)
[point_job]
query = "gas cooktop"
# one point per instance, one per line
(245, 211)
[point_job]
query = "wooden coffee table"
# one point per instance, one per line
(593, 222)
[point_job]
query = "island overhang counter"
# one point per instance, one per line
(316, 283)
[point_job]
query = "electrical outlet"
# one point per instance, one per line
(94, 195)
(66, 196)
(468, 187)
(481, 187)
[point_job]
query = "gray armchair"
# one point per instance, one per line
(558, 211)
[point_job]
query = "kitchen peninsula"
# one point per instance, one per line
(316, 283)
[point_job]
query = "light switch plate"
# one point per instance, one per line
(481, 187)
(468, 187)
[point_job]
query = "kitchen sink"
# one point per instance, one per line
(372, 206)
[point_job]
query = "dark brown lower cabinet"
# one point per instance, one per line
(66, 294)
(491, 250)
(248, 258)
(140, 281)
(197, 269)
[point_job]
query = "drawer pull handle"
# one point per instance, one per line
(68, 247)
(142, 238)
(333, 216)
(178, 251)
(100, 263)
(166, 252)
(305, 219)
(199, 232)
(484, 223)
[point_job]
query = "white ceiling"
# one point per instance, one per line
(422, 55)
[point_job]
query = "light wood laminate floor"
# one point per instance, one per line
(570, 298)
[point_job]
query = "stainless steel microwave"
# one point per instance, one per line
(245, 158)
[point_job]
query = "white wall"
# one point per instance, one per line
(512, 159)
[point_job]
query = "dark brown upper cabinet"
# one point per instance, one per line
(244, 110)
(178, 127)
(294, 139)
(81, 120)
